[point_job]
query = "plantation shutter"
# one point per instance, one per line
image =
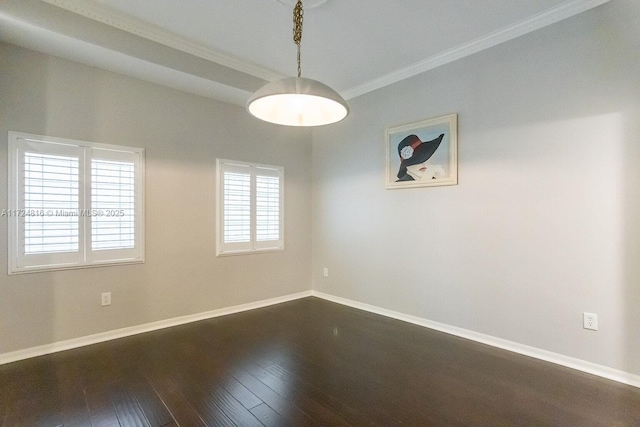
(50, 200)
(112, 195)
(236, 207)
(268, 209)
(249, 207)
(73, 203)
(115, 203)
(47, 197)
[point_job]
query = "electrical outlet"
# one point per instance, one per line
(325, 272)
(106, 299)
(590, 321)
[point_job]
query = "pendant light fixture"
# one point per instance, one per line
(298, 101)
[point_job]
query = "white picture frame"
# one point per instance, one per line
(422, 154)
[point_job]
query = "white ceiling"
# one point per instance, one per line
(227, 49)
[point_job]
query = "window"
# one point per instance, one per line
(73, 204)
(250, 207)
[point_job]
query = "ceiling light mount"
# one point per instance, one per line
(308, 4)
(298, 101)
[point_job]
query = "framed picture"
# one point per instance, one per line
(422, 154)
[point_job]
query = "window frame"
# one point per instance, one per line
(85, 256)
(253, 246)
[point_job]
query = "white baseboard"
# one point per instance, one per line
(559, 359)
(147, 327)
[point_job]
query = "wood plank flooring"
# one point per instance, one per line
(307, 362)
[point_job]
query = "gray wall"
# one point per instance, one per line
(544, 223)
(182, 134)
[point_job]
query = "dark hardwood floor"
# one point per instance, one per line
(304, 363)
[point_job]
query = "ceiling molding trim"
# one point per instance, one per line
(142, 29)
(541, 20)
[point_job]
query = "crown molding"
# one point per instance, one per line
(104, 15)
(156, 34)
(536, 22)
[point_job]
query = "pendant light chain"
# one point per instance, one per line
(298, 14)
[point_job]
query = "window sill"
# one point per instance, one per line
(249, 252)
(47, 268)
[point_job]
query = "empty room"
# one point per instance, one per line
(319, 213)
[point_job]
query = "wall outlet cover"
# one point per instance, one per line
(590, 321)
(106, 299)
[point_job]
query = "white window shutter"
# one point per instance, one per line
(45, 198)
(268, 209)
(51, 194)
(115, 204)
(234, 215)
(73, 203)
(237, 207)
(250, 207)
